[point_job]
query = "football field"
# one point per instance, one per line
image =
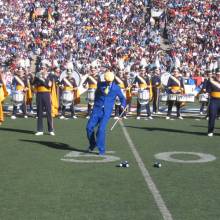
(45, 177)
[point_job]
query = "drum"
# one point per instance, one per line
(203, 97)
(172, 97)
(190, 98)
(143, 96)
(17, 98)
(117, 100)
(67, 98)
(90, 96)
(163, 97)
(181, 98)
(134, 92)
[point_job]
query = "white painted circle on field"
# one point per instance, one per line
(167, 156)
(79, 157)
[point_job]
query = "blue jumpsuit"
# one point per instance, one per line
(102, 110)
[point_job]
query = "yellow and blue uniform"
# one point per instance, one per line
(91, 81)
(203, 90)
(43, 101)
(69, 84)
(143, 83)
(174, 86)
(3, 94)
(156, 85)
(29, 93)
(213, 88)
(20, 84)
(103, 105)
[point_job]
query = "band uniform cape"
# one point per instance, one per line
(54, 95)
(3, 95)
(103, 106)
(29, 92)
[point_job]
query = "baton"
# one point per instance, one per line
(123, 110)
(120, 117)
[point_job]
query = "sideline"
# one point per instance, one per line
(148, 179)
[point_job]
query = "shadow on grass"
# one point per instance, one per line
(17, 130)
(168, 130)
(55, 145)
(203, 126)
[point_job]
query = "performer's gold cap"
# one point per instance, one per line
(109, 76)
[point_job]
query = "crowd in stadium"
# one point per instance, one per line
(117, 35)
(114, 34)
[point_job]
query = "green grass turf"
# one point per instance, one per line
(191, 191)
(36, 184)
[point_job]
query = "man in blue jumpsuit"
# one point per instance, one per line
(213, 88)
(105, 96)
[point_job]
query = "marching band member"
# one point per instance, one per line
(3, 95)
(68, 84)
(144, 83)
(128, 88)
(156, 85)
(121, 83)
(57, 73)
(19, 84)
(213, 88)
(204, 90)
(43, 85)
(29, 93)
(54, 93)
(105, 96)
(91, 82)
(175, 85)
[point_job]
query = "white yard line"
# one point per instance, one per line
(148, 179)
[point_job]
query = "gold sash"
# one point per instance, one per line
(92, 86)
(215, 95)
(19, 81)
(176, 88)
(19, 87)
(142, 80)
(68, 88)
(175, 79)
(92, 79)
(68, 82)
(42, 89)
(217, 84)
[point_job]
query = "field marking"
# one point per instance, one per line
(148, 179)
(75, 157)
(203, 158)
